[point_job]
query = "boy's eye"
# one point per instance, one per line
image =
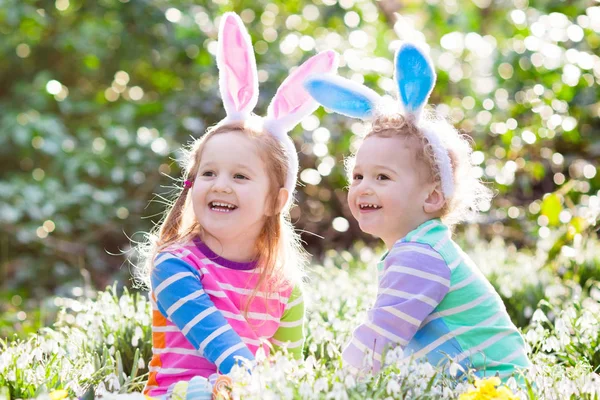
(382, 177)
(357, 177)
(240, 176)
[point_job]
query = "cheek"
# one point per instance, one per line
(352, 199)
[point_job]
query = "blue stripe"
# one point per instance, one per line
(428, 334)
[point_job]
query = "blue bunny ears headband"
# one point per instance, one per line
(415, 77)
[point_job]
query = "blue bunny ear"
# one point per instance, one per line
(415, 78)
(342, 95)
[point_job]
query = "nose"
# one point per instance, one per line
(221, 185)
(364, 188)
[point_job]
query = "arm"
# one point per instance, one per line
(180, 297)
(415, 281)
(291, 327)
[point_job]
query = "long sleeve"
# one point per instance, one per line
(181, 298)
(414, 282)
(291, 329)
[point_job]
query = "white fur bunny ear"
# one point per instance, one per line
(292, 103)
(415, 77)
(343, 96)
(238, 80)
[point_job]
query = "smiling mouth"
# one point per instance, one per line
(220, 206)
(368, 206)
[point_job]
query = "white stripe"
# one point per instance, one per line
(185, 252)
(483, 345)
(463, 283)
(183, 300)
(288, 344)
(455, 263)
(294, 303)
(177, 350)
(386, 334)
(290, 324)
(401, 315)
(231, 315)
(168, 371)
(441, 243)
(423, 231)
(197, 319)
(162, 258)
(261, 316)
(421, 274)
(506, 359)
(170, 280)
(407, 248)
(231, 288)
(228, 352)
(433, 345)
(168, 328)
(253, 342)
(213, 335)
(358, 344)
(250, 315)
(152, 302)
(456, 310)
(215, 293)
(405, 295)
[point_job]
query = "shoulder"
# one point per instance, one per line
(171, 261)
(417, 256)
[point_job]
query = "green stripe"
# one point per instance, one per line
(295, 333)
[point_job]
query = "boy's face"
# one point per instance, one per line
(388, 188)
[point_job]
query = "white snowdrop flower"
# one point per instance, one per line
(454, 369)
(349, 381)
(551, 344)
(321, 385)
(392, 387)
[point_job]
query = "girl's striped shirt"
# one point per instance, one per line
(434, 302)
(200, 323)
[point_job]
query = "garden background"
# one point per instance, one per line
(97, 97)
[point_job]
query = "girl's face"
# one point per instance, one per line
(388, 190)
(230, 191)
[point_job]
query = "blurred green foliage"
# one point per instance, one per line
(97, 97)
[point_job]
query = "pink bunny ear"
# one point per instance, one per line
(238, 80)
(292, 102)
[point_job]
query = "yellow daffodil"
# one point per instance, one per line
(488, 389)
(58, 394)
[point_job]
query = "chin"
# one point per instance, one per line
(371, 230)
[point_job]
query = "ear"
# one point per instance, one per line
(238, 79)
(292, 103)
(282, 199)
(435, 200)
(415, 77)
(343, 96)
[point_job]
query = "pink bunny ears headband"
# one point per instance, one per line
(415, 79)
(238, 83)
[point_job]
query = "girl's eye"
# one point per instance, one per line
(240, 176)
(382, 177)
(357, 177)
(208, 173)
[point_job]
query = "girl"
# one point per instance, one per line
(412, 179)
(225, 263)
